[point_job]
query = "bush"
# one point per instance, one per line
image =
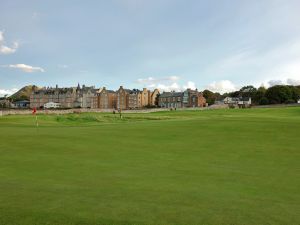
(290, 101)
(263, 101)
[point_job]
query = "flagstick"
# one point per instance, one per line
(36, 121)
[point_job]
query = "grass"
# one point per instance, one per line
(236, 167)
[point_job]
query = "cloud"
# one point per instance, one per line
(222, 86)
(25, 68)
(170, 83)
(289, 81)
(293, 82)
(272, 83)
(256, 65)
(225, 86)
(170, 87)
(8, 92)
(151, 80)
(5, 49)
(190, 85)
(36, 15)
(63, 66)
(175, 86)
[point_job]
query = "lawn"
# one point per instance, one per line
(214, 167)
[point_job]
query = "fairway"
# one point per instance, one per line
(213, 167)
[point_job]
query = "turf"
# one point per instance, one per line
(214, 167)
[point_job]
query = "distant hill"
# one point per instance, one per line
(24, 93)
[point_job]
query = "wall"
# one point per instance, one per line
(68, 111)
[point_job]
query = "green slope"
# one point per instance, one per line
(24, 93)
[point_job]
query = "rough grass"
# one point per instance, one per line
(186, 167)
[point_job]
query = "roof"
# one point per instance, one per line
(134, 91)
(52, 91)
(171, 94)
(52, 103)
(245, 99)
(126, 90)
(22, 101)
(108, 91)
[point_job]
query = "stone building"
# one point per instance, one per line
(122, 98)
(84, 96)
(80, 97)
(193, 98)
(144, 97)
(198, 100)
(134, 99)
(89, 97)
(188, 98)
(106, 99)
(5, 103)
(139, 99)
(153, 97)
(171, 100)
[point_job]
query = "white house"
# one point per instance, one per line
(239, 101)
(52, 105)
(299, 101)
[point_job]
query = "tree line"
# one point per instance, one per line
(278, 94)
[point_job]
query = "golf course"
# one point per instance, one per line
(210, 167)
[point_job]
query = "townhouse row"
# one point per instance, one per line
(124, 98)
(89, 97)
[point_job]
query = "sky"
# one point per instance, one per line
(167, 44)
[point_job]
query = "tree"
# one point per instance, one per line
(248, 91)
(295, 92)
(234, 94)
(279, 94)
(259, 96)
(209, 96)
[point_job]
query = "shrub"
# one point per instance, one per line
(290, 101)
(263, 101)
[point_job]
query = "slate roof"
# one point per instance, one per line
(51, 91)
(171, 94)
(134, 91)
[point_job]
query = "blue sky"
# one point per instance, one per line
(169, 44)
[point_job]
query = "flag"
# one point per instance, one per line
(36, 118)
(34, 111)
